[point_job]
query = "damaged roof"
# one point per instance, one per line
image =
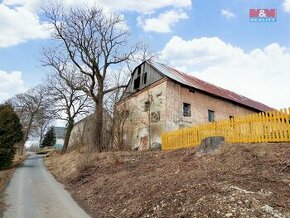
(201, 85)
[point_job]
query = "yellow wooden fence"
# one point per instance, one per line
(272, 126)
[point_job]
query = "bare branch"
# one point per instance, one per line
(90, 43)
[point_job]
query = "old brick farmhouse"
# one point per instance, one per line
(159, 98)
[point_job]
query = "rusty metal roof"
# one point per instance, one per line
(198, 84)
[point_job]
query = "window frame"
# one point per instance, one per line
(137, 79)
(211, 115)
(135, 85)
(186, 109)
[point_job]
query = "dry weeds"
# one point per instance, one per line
(239, 180)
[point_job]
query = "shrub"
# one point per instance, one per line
(10, 134)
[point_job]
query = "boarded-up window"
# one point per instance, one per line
(186, 110)
(210, 116)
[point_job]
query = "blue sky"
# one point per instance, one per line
(210, 39)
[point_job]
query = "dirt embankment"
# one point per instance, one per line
(238, 180)
(5, 176)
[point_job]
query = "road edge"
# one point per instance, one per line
(66, 186)
(8, 174)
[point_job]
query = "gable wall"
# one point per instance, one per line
(152, 76)
(136, 132)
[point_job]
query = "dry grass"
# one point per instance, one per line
(238, 180)
(63, 164)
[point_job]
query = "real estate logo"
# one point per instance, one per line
(263, 15)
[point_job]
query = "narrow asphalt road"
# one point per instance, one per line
(33, 192)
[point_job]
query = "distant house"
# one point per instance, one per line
(81, 134)
(60, 136)
(159, 98)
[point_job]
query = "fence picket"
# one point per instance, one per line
(271, 126)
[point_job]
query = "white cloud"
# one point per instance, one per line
(148, 5)
(146, 8)
(10, 84)
(19, 23)
(261, 74)
(286, 5)
(163, 23)
(31, 5)
(227, 13)
(142, 6)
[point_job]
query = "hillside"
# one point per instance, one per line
(238, 180)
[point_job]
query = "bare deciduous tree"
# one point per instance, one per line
(29, 106)
(120, 115)
(93, 42)
(69, 103)
(42, 122)
(144, 53)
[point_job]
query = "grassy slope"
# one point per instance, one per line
(238, 180)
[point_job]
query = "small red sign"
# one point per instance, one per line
(263, 15)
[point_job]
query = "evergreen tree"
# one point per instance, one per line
(49, 138)
(10, 134)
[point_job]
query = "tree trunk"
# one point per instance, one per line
(70, 125)
(41, 135)
(40, 139)
(149, 129)
(98, 124)
(26, 133)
